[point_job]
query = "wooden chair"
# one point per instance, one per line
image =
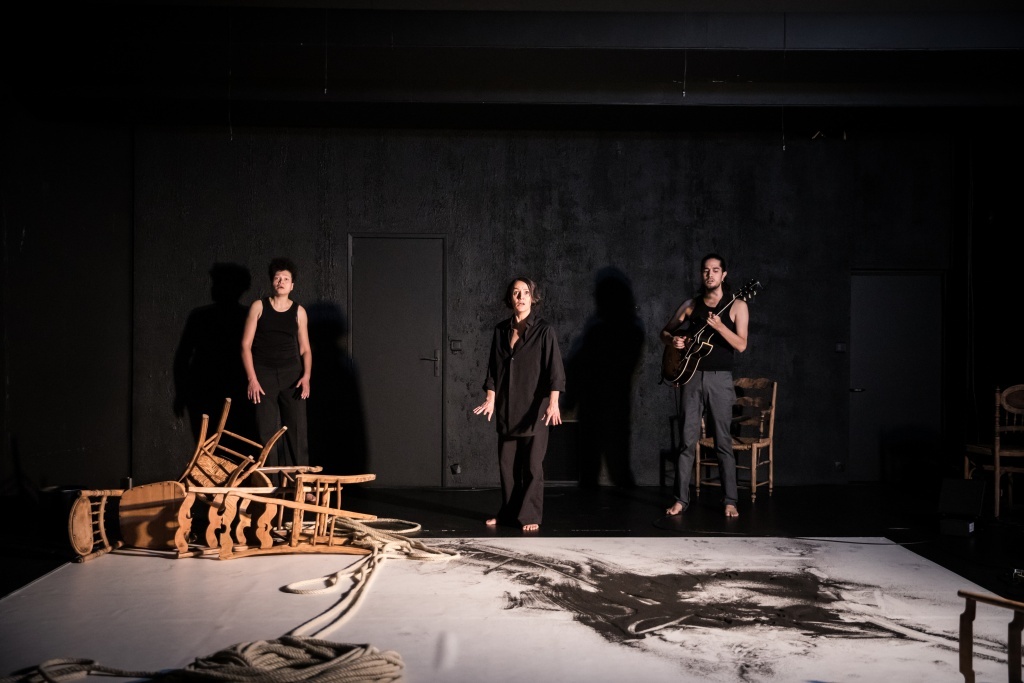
(157, 516)
(753, 436)
(225, 458)
(1002, 453)
(92, 523)
(166, 515)
(313, 516)
(148, 516)
(1013, 633)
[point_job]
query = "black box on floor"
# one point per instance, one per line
(960, 504)
(956, 527)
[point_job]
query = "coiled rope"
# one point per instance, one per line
(284, 660)
(297, 655)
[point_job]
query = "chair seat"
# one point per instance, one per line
(1004, 453)
(746, 442)
(739, 443)
(148, 516)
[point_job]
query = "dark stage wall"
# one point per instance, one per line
(111, 236)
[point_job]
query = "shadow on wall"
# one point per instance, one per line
(208, 362)
(334, 410)
(601, 368)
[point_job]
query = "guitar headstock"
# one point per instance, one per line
(749, 290)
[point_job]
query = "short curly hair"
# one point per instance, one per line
(281, 263)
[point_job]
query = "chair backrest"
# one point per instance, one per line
(754, 410)
(1009, 417)
(225, 458)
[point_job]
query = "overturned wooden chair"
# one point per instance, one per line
(222, 460)
(225, 458)
(225, 497)
(310, 520)
(140, 517)
(244, 521)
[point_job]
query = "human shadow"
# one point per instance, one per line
(601, 368)
(208, 361)
(334, 410)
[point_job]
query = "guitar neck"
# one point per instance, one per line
(723, 310)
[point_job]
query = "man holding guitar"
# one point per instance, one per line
(704, 333)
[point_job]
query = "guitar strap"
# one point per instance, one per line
(721, 355)
(702, 352)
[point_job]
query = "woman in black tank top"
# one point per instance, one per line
(277, 359)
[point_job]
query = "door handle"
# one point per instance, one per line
(857, 390)
(436, 360)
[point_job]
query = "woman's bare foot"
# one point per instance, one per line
(677, 509)
(493, 521)
(731, 511)
(531, 527)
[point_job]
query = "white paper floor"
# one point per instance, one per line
(537, 609)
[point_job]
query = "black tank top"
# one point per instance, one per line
(721, 356)
(276, 343)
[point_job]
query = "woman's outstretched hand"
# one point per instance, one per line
(487, 408)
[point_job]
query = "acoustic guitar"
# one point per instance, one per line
(678, 365)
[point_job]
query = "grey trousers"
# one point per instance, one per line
(713, 393)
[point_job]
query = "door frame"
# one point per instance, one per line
(943, 361)
(352, 340)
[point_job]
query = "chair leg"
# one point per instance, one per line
(697, 469)
(997, 490)
(1009, 489)
(673, 451)
(771, 468)
(753, 473)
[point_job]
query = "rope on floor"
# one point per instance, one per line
(382, 545)
(296, 656)
(287, 659)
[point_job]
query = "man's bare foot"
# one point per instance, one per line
(731, 511)
(677, 509)
(531, 527)
(493, 521)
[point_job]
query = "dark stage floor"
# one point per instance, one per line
(992, 556)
